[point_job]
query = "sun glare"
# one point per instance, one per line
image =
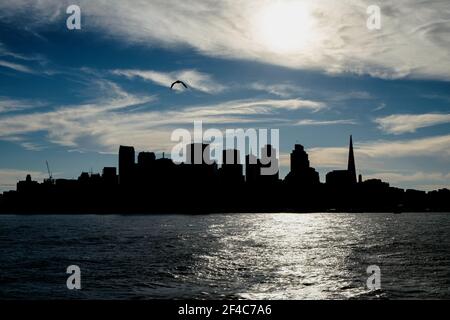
(284, 26)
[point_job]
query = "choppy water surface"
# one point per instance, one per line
(248, 256)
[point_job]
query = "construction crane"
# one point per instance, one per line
(50, 176)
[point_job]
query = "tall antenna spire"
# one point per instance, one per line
(351, 161)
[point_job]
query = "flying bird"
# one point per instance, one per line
(178, 82)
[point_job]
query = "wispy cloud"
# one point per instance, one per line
(404, 123)
(69, 124)
(15, 66)
(194, 79)
(310, 122)
(412, 32)
(437, 147)
(352, 95)
(113, 119)
(432, 96)
(243, 108)
(10, 104)
(5, 52)
(380, 106)
(283, 90)
(21, 62)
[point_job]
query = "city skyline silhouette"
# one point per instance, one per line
(152, 185)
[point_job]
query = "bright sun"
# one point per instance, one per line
(284, 26)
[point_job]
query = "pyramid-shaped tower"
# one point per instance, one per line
(351, 161)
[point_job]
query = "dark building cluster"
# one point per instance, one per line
(158, 185)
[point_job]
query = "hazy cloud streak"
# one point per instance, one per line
(193, 79)
(413, 41)
(404, 123)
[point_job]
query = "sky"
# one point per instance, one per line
(312, 69)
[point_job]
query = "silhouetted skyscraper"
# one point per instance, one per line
(269, 160)
(126, 164)
(200, 169)
(84, 178)
(27, 186)
(344, 178)
(145, 168)
(339, 178)
(299, 159)
(301, 173)
(146, 159)
(198, 153)
(109, 176)
(351, 162)
(252, 168)
(232, 169)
